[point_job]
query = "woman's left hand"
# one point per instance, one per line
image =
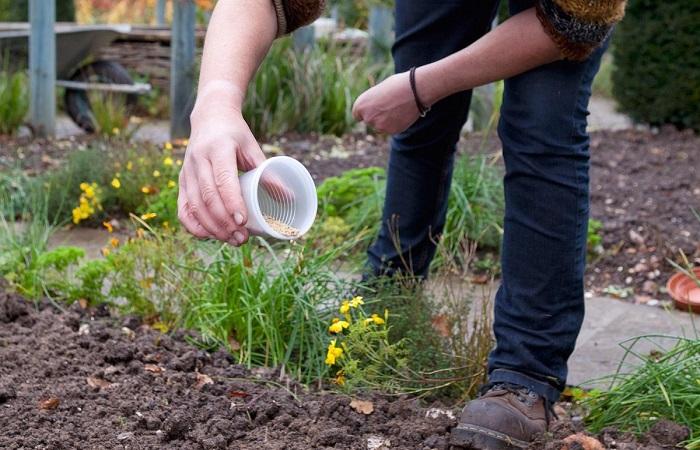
(388, 107)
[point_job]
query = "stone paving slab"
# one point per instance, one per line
(610, 322)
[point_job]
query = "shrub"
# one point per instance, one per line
(14, 101)
(657, 62)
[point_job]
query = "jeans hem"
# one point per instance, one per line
(542, 388)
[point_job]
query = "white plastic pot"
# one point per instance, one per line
(280, 188)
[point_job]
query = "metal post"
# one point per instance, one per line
(380, 32)
(160, 12)
(42, 67)
(182, 52)
(304, 38)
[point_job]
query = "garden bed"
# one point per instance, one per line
(81, 378)
(643, 186)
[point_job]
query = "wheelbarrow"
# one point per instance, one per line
(76, 69)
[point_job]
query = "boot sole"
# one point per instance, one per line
(473, 437)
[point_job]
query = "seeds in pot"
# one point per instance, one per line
(281, 227)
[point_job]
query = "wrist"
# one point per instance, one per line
(429, 92)
(217, 99)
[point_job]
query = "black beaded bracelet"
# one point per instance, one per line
(422, 109)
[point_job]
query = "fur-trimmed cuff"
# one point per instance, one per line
(575, 37)
(293, 14)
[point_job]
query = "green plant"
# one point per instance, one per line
(322, 83)
(110, 114)
(594, 239)
(603, 83)
(475, 209)
(657, 62)
(14, 100)
(665, 385)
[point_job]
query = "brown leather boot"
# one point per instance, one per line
(505, 417)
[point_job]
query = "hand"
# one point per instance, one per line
(389, 106)
(209, 202)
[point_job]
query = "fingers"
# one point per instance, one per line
(207, 206)
(188, 220)
(224, 167)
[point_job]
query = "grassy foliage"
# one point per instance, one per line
(110, 114)
(14, 101)
(665, 386)
(322, 83)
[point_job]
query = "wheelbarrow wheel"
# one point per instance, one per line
(77, 102)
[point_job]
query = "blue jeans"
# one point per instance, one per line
(539, 307)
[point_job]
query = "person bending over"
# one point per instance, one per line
(547, 52)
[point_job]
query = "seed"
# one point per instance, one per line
(281, 227)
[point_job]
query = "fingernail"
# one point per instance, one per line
(238, 236)
(238, 217)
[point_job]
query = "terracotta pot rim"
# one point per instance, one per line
(680, 296)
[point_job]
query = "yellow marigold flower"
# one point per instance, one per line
(345, 307)
(156, 173)
(168, 161)
(129, 165)
(333, 353)
(148, 216)
(168, 145)
(105, 251)
(374, 319)
(114, 242)
(84, 186)
(356, 301)
(115, 131)
(337, 327)
(171, 184)
(146, 190)
(116, 184)
(76, 215)
(178, 162)
(109, 226)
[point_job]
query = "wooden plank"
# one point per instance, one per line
(182, 68)
(304, 38)
(136, 88)
(42, 67)
(381, 23)
(160, 12)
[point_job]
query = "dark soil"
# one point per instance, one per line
(83, 379)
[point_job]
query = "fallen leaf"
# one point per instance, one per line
(235, 345)
(202, 379)
(581, 441)
(238, 394)
(153, 368)
(83, 303)
(97, 383)
(441, 325)
(362, 406)
(480, 279)
(50, 403)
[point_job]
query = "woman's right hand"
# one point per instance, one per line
(209, 200)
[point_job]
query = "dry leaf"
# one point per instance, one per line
(480, 279)
(153, 368)
(202, 379)
(441, 325)
(238, 394)
(581, 441)
(50, 403)
(83, 303)
(235, 345)
(97, 383)
(362, 406)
